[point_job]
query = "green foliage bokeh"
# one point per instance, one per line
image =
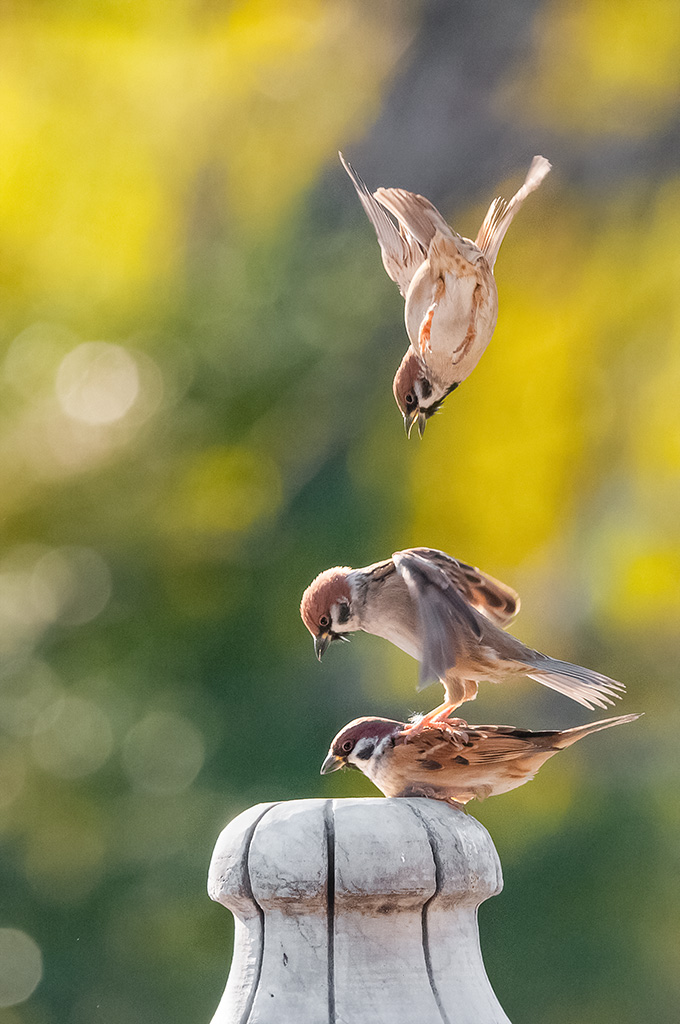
(197, 344)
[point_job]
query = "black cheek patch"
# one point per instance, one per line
(343, 614)
(426, 388)
(364, 753)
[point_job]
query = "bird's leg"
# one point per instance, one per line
(439, 718)
(426, 326)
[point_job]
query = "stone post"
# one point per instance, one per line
(360, 911)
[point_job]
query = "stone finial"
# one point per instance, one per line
(360, 911)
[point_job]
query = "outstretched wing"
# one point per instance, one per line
(401, 253)
(501, 212)
(494, 599)
(449, 625)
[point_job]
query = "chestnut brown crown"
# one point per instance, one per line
(327, 589)
(364, 728)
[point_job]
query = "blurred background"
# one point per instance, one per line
(197, 342)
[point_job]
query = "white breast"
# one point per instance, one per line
(461, 323)
(388, 611)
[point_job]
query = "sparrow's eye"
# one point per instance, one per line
(347, 746)
(324, 621)
(410, 398)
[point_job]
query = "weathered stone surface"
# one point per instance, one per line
(358, 911)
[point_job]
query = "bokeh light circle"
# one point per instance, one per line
(72, 584)
(21, 966)
(97, 382)
(72, 738)
(163, 753)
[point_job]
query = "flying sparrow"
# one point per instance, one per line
(447, 282)
(447, 615)
(493, 759)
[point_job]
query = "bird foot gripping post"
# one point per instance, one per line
(356, 911)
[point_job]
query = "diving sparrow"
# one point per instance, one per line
(447, 282)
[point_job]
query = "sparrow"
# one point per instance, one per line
(448, 285)
(493, 759)
(448, 615)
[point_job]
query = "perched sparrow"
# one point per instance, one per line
(447, 282)
(447, 615)
(494, 758)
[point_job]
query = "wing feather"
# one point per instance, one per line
(501, 212)
(401, 254)
(436, 750)
(416, 214)
(494, 599)
(448, 624)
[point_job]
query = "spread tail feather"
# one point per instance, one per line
(501, 212)
(569, 736)
(591, 689)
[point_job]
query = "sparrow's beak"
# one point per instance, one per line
(331, 764)
(409, 420)
(321, 643)
(422, 423)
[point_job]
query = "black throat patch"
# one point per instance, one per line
(436, 406)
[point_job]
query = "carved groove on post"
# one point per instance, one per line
(329, 824)
(247, 885)
(426, 907)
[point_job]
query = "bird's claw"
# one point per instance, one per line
(455, 727)
(458, 735)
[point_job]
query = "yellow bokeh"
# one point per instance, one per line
(108, 127)
(224, 490)
(546, 802)
(585, 361)
(638, 577)
(602, 67)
